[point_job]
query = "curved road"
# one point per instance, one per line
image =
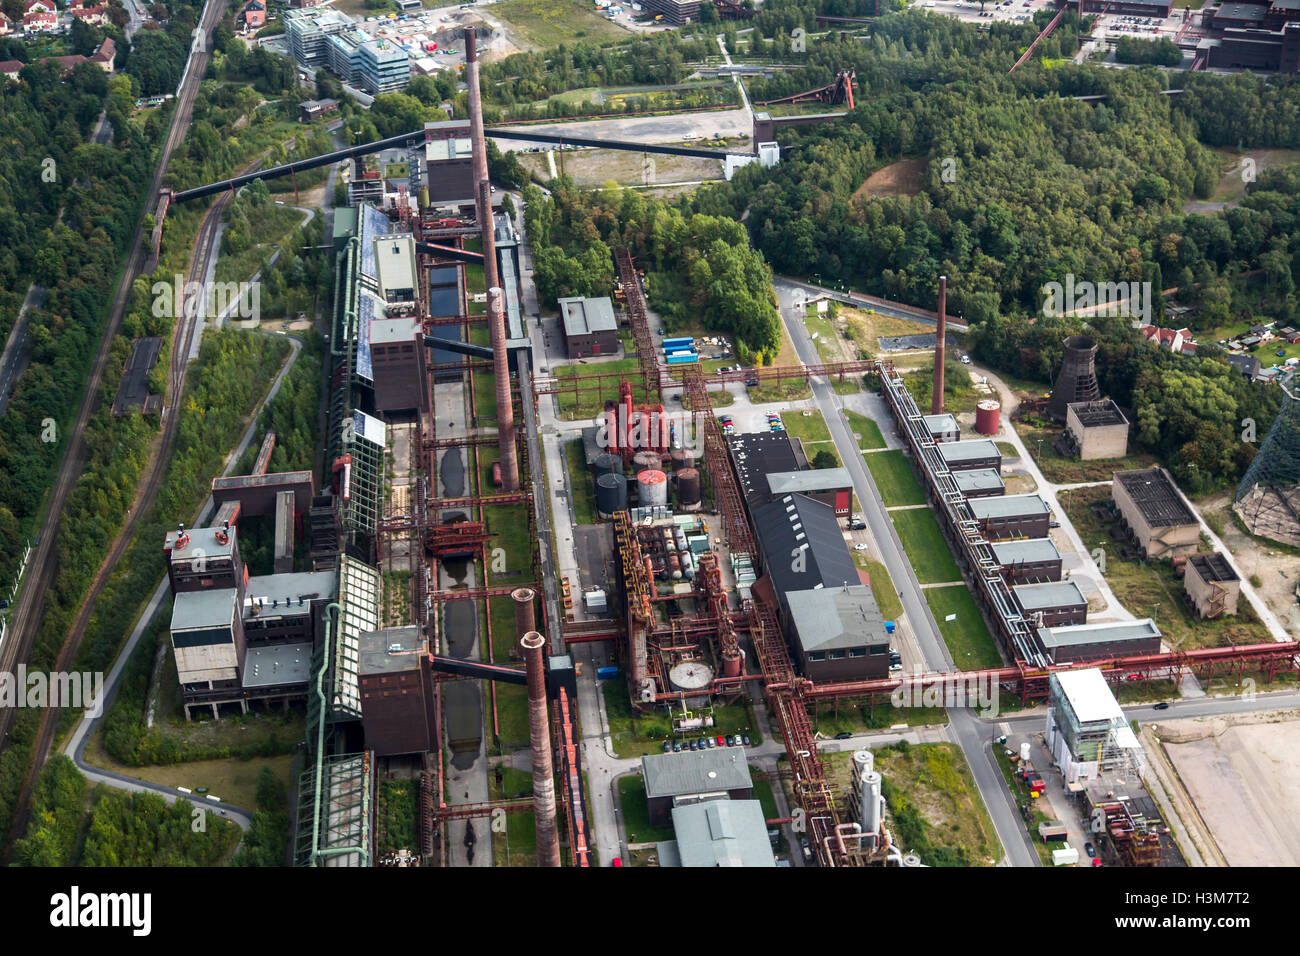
(80, 736)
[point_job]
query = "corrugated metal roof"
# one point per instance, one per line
(1089, 696)
(836, 618)
(810, 480)
(722, 833)
(1102, 633)
(695, 771)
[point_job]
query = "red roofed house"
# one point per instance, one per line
(103, 57)
(40, 17)
(254, 14)
(6, 25)
(10, 68)
(1175, 340)
(94, 16)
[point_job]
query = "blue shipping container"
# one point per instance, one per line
(681, 358)
(678, 343)
(606, 673)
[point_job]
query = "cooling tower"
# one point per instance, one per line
(1078, 379)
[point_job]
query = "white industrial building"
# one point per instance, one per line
(1087, 732)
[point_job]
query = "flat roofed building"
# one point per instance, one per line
(1053, 604)
(590, 326)
(1154, 513)
(448, 162)
(1090, 642)
(970, 454)
(942, 427)
(1096, 430)
(287, 608)
(1028, 560)
(207, 640)
(399, 361)
(693, 776)
(832, 486)
(397, 693)
(980, 483)
(676, 12)
(1211, 585)
(270, 666)
(383, 67)
(718, 833)
(759, 454)
(202, 558)
(1012, 516)
(395, 263)
(1087, 732)
(839, 634)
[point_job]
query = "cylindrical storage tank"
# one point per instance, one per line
(611, 495)
(611, 430)
(691, 676)
(871, 802)
(652, 488)
(607, 464)
(644, 461)
(688, 487)
(679, 539)
(688, 565)
(680, 459)
(987, 413)
(674, 567)
(864, 761)
(1024, 752)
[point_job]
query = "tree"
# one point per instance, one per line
(824, 459)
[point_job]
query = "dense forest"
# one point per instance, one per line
(701, 269)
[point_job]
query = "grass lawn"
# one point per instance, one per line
(509, 526)
(581, 489)
(548, 23)
(586, 404)
(926, 546)
(865, 430)
(763, 794)
(892, 473)
(883, 588)
(806, 425)
(822, 332)
(853, 718)
(636, 812)
(1150, 588)
(517, 844)
(635, 734)
(968, 638)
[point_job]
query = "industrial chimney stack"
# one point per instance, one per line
(940, 345)
(548, 838)
(496, 305)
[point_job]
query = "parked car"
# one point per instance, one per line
(695, 744)
(668, 746)
(895, 667)
(858, 526)
(843, 735)
(1087, 848)
(744, 739)
(731, 741)
(709, 743)
(721, 740)
(677, 746)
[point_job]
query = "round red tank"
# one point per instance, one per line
(987, 415)
(731, 665)
(496, 474)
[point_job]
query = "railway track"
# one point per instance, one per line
(28, 609)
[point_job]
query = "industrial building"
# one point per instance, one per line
(942, 427)
(838, 633)
(590, 326)
(448, 162)
(1096, 430)
(691, 777)
(398, 700)
(980, 483)
(1158, 9)
(758, 454)
(971, 454)
(676, 12)
(1211, 585)
(1091, 642)
(1154, 513)
(1087, 732)
(1029, 560)
(1252, 35)
(803, 547)
(1012, 516)
(831, 486)
(1052, 604)
(718, 833)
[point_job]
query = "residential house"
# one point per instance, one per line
(1178, 341)
(92, 16)
(39, 16)
(254, 15)
(6, 25)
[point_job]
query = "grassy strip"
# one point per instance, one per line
(926, 546)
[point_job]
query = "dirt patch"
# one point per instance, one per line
(1276, 569)
(902, 178)
(1243, 775)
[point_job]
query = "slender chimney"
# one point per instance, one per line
(940, 343)
(505, 404)
(525, 620)
(548, 838)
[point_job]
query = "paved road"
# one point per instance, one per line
(965, 728)
(80, 736)
(897, 310)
